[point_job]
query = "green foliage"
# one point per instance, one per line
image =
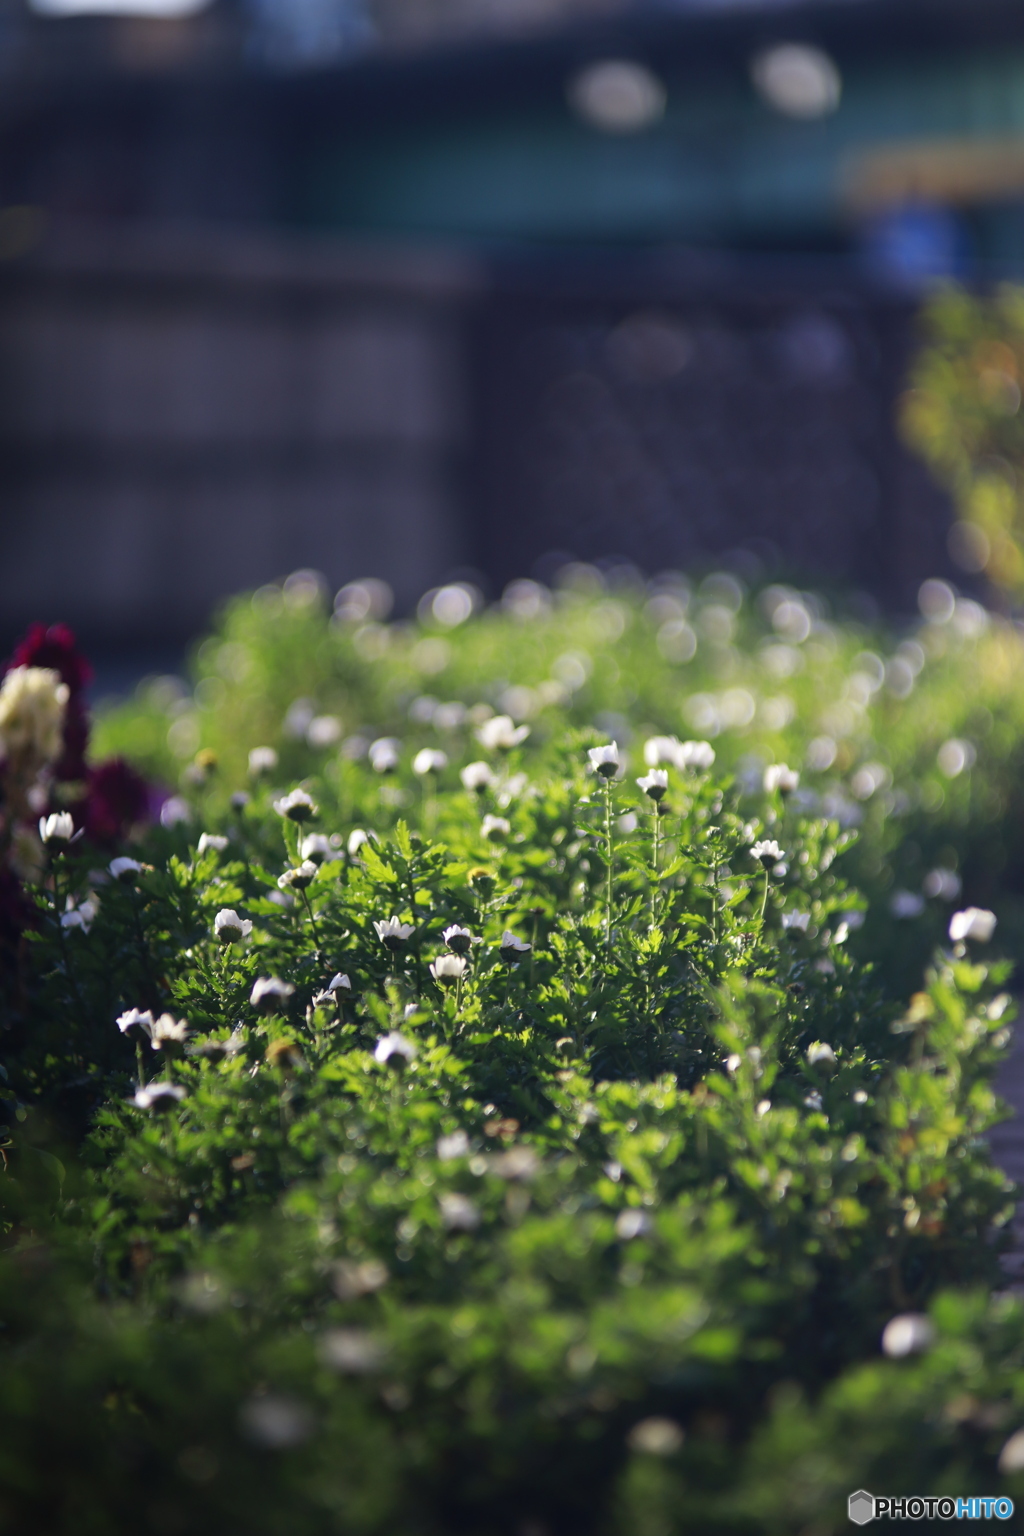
(963, 415)
(600, 1235)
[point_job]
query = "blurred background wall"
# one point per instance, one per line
(417, 287)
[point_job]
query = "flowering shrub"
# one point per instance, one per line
(507, 1141)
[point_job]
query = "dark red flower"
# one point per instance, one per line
(117, 799)
(56, 647)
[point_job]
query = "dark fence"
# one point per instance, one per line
(183, 416)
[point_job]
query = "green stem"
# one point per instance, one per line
(140, 1059)
(764, 899)
(608, 861)
(657, 852)
(316, 932)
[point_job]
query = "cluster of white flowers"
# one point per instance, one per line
(668, 751)
(32, 706)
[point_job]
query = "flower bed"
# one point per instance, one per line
(433, 1123)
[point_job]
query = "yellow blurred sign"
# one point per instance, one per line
(950, 170)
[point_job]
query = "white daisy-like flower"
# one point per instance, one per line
(394, 1044)
(211, 842)
(494, 828)
(356, 838)
(228, 927)
(159, 1096)
(339, 983)
(778, 776)
(429, 760)
(136, 1018)
(125, 870)
(500, 733)
(262, 760)
(698, 755)
(796, 922)
(392, 933)
(512, 948)
(478, 777)
(298, 879)
(768, 853)
(458, 1213)
(454, 1145)
(316, 848)
(168, 1031)
(81, 915)
(655, 784)
(383, 755)
(661, 750)
(909, 1334)
(458, 939)
(973, 923)
(819, 1054)
(605, 760)
(448, 969)
(297, 805)
(57, 828)
(270, 993)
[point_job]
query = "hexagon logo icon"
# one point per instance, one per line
(861, 1507)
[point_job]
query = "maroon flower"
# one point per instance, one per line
(117, 799)
(57, 649)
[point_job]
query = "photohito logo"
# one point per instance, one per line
(863, 1506)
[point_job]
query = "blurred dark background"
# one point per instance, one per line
(415, 288)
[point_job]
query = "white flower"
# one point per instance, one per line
(477, 777)
(512, 949)
(383, 755)
(906, 904)
(909, 1334)
(211, 840)
(125, 870)
(299, 878)
(973, 923)
(228, 927)
(659, 750)
(356, 838)
(655, 784)
(58, 828)
(297, 806)
(605, 760)
(81, 916)
(630, 1224)
(159, 1096)
(32, 704)
(429, 760)
(262, 760)
(453, 1146)
(494, 828)
(458, 939)
(777, 776)
(499, 732)
(655, 1437)
(136, 1018)
(820, 1054)
(699, 755)
(169, 1031)
(814, 1101)
(269, 993)
(317, 848)
(458, 1213)
(174, 811)
(392, 933)
(768, 853)
(447, 969)
(796, 922)
(1011, 1457)
(394, 1044)
(351, 1350)
(339, 982)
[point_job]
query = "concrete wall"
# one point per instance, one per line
(187, 415)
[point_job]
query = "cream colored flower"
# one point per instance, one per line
(32, 704)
